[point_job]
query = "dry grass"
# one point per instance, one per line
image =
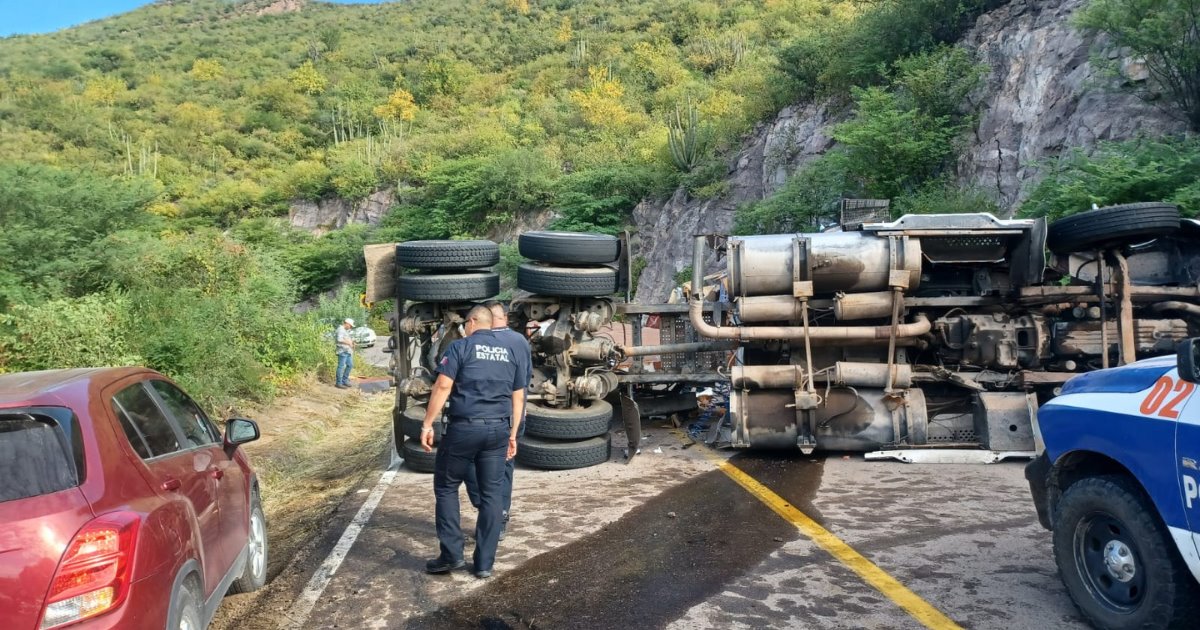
(318, 443)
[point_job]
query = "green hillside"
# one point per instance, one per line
(148, 161)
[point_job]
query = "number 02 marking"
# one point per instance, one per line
(1152, 405)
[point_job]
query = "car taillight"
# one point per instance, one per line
(94, 574)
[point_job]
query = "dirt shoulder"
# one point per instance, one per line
(318, 443)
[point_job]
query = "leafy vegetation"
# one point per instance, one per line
(1166, 35)
(1121, 172)
(897, 145)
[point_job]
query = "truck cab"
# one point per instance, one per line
(1118, 485)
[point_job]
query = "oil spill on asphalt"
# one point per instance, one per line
(647, 568)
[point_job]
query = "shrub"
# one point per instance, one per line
(1119, 172)
(890, 150)
(67, 332)
(808, 200)
(601, 199)
(1166, 33)
(944, 197)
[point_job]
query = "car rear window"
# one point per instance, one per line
(41, 452)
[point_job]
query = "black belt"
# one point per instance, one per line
(455, 419)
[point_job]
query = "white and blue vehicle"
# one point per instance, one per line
(1118, 484)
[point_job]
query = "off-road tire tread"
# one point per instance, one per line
(448, 287)
(568, 424)
(567, 281)
(1181, 604)
(415, 457)
(1112, 225)
(569, 248)
(560, 455)
(447, 255)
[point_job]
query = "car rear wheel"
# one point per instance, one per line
(254, 576)
(1116, 559)
(185, 613)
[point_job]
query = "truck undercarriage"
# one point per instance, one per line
(929, 331)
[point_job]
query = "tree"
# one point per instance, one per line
(206, 70)
(308, 79)
(1166, 33)
(400, 106)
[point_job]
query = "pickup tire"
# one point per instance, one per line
(447, 255)
(567, 281)
(1110, 226)
(559, 455)
(415, 457)
(413, 419)
(569, 248)
(1107, 519)
(578, 423)
(448, 287)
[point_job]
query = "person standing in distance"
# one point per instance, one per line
(520, 347)
(485, 385)
(344, 346)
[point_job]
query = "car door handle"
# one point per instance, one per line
(171, 484)
(216, 473)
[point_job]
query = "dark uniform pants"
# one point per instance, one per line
(482, 444)
(509, 467)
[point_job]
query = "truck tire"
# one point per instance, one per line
(567, 281)
(578, 423)
(447, 255)
(448, 287)
(569, 248)
(1110, 516)
(1110, 226)
(559, 455)
(413, 419)
(415, 457)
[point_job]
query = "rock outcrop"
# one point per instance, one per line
(331, 213)
(1042, 96)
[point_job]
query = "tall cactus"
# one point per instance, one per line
(683, 138)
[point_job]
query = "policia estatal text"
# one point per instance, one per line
(484, 378)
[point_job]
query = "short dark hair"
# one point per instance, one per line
(482, 315)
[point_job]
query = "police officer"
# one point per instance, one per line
(484, 380)
(520, 345)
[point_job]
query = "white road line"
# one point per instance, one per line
(297, 616)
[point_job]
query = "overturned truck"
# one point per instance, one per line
(942, 331)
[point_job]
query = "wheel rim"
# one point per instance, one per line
(1109, 563)
(257, 545)
(187, 622)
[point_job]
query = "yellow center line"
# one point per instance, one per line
(890, 587)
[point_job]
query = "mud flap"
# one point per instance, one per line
(631, 417)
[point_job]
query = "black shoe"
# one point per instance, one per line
(438, 565)
(342, 386)
(483, 575)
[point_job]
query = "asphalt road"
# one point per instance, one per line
(670, 541)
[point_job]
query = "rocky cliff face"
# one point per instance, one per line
(1041, 97)
(331, 213)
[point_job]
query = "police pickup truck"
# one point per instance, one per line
(1118, 484)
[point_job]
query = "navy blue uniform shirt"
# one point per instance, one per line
(486, 369)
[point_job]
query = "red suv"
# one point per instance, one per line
(121, 505)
